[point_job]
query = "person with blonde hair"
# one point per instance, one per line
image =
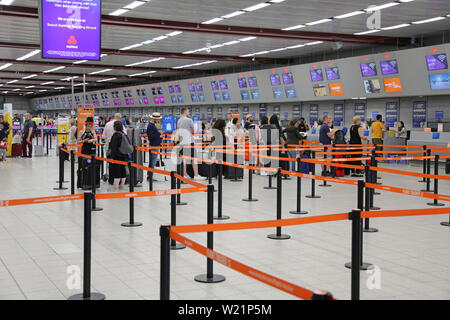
(72, 133)
(356, 138)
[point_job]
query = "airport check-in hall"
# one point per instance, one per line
(255, 152)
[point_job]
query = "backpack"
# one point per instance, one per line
(125, 145)
(339, 137)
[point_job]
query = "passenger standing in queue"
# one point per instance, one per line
(356, 138)
(292, 138)
(326, 135)
(303, 128)
(28, 135)
(377, 132)
(117, 171)
(154, 140)
(87, 137)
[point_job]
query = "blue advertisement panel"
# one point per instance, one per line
(297, 111)
(262, 110)
(169, 124)
(313, 113)
(391, 113)
(360, 110)
(419, 114)
(276, 110)
(71, 29)
(338, 114)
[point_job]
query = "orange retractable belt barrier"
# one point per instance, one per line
(409, 173)
(409, 192)
(259, 224)
(153, 193)
(275, 282)
(18, 202)
(403, 213)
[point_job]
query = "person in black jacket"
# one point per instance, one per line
(154, 140)
(117, 171)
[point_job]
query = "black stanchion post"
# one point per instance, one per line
(424, 164)
(219, 192)
(164, 233)
(324, 184)
(72, 172)
(435, 202)
(372, 179)
(61, 171)
(250, 186)
(269, 185)
(428, 172)
(355, 216)
(299, 190)
(360, 204)
(313, 181)
(94, 183)
(131, 222)
(173, 211)
(179, 171)
(210, 277)
(87, 294)
(368, 200)
(278, 235)
(102, 154)
(321, 295)
(46, 142)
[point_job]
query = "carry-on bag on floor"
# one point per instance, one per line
(306, 166)
(84, 180)
(231, 171)
(38, 151)
(284, 165)
(203, 169)
(447, 166)
(339, 172)
(16, 150)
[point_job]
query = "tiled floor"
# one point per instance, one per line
(39, 242)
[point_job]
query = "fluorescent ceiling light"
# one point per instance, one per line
(428, 20)
(313, 43)
(69, 78)
(396, 27)
(30, 76)
(109, 79)
(233, 14)
(100, 71)
(58, 88)
(247, 39)
(276, 1)
(348, 15)
(318, 22)
(131, 46)
(80, 61)
(134, 4)
(6, 2)
(294, 27)
(160, 38)
(247, 55)
(103, 55)
(148, 42)
(15, 89)
(405, 1)
(141, 73)
(280, 49)
(29, 87)
(380, 7)
(80, 84)
(42, 90)
(54, 69)
(261, 52)
(46, 83)
(296, 46)
(143, 62)
(217, 46)
(229, 43)
(257, 6)
(212, 21)
(12, 81)
(30, 92)
(5, 66)
(175, 33)
(366, 32)
(28, 55)
(118, 12)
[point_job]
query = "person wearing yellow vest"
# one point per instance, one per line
(377, 131)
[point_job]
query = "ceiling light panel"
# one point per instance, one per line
(28, 55)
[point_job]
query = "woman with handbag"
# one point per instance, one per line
(117, 171)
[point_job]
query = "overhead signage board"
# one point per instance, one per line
(70, 29)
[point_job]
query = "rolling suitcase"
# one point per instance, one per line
(203, 170)
(339, 172)
(16, 150)
(84, 180)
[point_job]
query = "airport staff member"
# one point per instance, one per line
(154, 140)
(377, 131)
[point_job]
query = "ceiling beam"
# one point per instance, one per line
(154, 54)
(131, 22)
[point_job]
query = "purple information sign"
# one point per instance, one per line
(71, 29)
(252, 82)
(332, 73)
(191, 87)
(288, 78)
(275, 79)
(437, 62)
(242, 83)
(316, 75)
(223, 84)
(368, 69)
(214, 85)
(389, 67)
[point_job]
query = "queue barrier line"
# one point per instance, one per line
(193, 183)
(40, 200)
(404, 213)
(410, 192)
(341, 165)
(154, 193)
(266, 278)
(409, 173)
(311, 176)
(138, 166)
(232, 226)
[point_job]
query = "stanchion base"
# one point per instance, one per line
(421, 181)
(363, 266)
(447, 224)
(435, 204)
(221, 218)
(298, 212)
(278, 237)
(324, 185)
(97, 209)
(93, 296)
(425, 190)
(60, 188)
(312, 197)
(370, 230)
(249, 200)
(235, 180)
(181, 203)
(286, 178)
(177, 246)
(376, 193)
(127, 224)
(63, 181)
(374, 208)
(270, 188)
(214, 279)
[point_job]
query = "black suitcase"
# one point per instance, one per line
(229, 172)
(203, 170)
(447, 166)
(84, 180)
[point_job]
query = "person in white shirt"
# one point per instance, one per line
(229, 124)
(108, 131)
